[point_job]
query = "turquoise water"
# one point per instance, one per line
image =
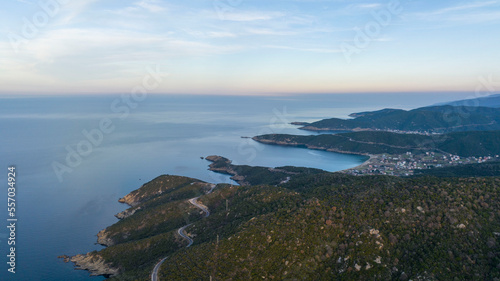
(160, 135)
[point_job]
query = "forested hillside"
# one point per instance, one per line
(315, 226)
(436, 119)
(482, 143)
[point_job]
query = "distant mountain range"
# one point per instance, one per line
(489, 101)
(292, 223)
(465, 144)
(434, 119)
(480, 114)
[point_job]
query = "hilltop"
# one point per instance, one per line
(488, 101)
(315, 226)
(425, 120)
(252, 175)
(147, 229)
(464, 144)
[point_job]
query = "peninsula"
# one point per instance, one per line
(400, 154)
(313, 225)
(425, 120)
(441, 221)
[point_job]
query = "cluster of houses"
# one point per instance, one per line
(425, 133)
(406, 164)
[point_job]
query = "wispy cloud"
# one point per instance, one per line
(104, 44)
(267, 31)
(72, 9)
(465, 13)
(252, 16)
(111, 45)
(220, 34)
(368, 6)
(313, 50)
(153, 6)
(354, 9)
(138, 9)
(464, 7)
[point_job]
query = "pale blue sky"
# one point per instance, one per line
(248, 46)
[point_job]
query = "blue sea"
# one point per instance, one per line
(76, 156)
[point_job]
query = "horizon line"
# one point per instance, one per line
(266, 94)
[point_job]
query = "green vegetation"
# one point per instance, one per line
(137, 258)
(158, 219)
(463, 144)
(251, 175)
(164, 184)
(164, 198)
(471, 143)
(318, 226)
(147, 231)
(438, 119)
(325, 226)
(470, 170)
(488, 101)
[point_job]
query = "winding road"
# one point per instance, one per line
(181, 232)
(194, 202)
(154, 275)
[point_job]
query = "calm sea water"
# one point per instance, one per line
(160, 135)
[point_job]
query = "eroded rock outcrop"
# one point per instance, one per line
(103, 239)
(127, 213)
(95, 264)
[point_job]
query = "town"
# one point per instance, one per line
(406, 164)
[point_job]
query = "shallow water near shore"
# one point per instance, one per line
(61, 210)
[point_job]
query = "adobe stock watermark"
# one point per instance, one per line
(372, 30)
(223, 7)
(49, 9)
(485, 87)
(93, 138)
(457, 115)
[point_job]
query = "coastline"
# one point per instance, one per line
(222, 165)
(317, 129)
(138, 201)
(296, 144)
(94, 264)
(369, 161)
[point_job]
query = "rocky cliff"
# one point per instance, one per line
(95, 264)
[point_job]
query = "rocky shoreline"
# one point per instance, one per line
(163, 185)
(223, 165)
(95, 264)
(103, 239)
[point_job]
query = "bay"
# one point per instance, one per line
(160, 135)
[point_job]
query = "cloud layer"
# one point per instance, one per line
(247, 46)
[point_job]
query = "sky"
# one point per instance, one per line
(247, 47)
